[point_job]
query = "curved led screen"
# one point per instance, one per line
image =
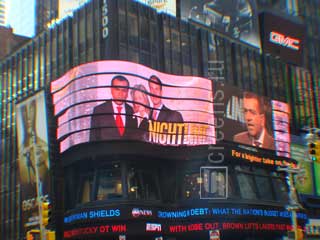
(118, 100)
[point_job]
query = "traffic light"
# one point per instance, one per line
(318, 151)
(51, 235)
(314, 151)
(300, 234)
(33, 234)
(46, 212)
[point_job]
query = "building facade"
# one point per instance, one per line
(9, 41)
(159, 198)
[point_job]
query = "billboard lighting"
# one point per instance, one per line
(133, 189)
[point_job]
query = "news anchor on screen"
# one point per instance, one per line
(113, 120)
(255, 119)
(160, 112)
(141, 109)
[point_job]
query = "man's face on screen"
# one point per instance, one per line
(119, 91)
(254, 119)
(155, 90)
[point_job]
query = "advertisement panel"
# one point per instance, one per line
(317, 177)
(304, 103)
(205, 218)
(282, 37)
(67, 7)
(255, 120)
(33, 157)
(237, 19)
(303, 180)
(165, 6)
(118, 100)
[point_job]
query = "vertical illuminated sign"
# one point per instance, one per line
(317, 177)
(108, 24)
(104, 19)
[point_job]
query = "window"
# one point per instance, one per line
(257, 183)
(247, 186)
(265, 189)
(280, 187)
(109, 184)
(133, 31)
(86, 188)
(142, 184)
(191, 186)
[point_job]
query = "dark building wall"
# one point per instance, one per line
(46, 11)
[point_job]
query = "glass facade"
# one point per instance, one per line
(169, 45)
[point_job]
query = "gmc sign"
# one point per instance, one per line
(282, 37)
(285, 41)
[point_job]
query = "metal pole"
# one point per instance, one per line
(294, 222)
(293, 203)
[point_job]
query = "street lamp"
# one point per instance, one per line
(293, 205)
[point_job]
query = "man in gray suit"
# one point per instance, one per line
(255, 118)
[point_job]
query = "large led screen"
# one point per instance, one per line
(33, 157)
(304, 98)
(235, 18)
(251, 119)
(118, 100)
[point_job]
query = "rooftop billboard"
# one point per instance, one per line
(165, 6)
(237, 19)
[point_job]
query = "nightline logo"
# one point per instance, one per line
(285, 41)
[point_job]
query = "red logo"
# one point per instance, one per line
(285, 41)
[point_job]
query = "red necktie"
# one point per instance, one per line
(119, 122)
(154, 115)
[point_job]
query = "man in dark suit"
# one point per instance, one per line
(113, 119)
(254, 114)
(160, 112)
